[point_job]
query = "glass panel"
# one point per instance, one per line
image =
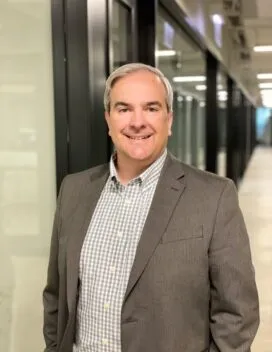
(120, 34)
(183, 63)
(27, 170)
(264, 125)
(222, 98)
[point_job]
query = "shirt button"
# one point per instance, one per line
(105, 341)
(106, 306)
(127, 201)
(112, 269)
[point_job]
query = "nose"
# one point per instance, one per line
(137, 119)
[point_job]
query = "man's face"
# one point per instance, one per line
(139, 122)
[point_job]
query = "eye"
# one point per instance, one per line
(123, 110)
(152, 109)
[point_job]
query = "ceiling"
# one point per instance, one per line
(257, 20)
(258, 25)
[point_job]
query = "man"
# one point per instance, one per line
(148, 254)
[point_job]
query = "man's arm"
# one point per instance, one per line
(51, 291)
(234, 310)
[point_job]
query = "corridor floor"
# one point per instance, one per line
(255, 195)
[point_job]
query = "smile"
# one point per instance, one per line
(137, 138)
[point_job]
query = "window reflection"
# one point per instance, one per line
(120, 34)
(183, 63)
(222, 98)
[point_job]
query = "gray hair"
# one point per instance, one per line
(134, 67)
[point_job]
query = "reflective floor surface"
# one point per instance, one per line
(256, 202)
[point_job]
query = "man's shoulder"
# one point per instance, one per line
(201, 179)
(86, 175)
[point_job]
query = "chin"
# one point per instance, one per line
(141, 158)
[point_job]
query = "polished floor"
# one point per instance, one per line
(255, 195)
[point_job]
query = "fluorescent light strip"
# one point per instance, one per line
(263, 48)
(218, 19)
(165, 53)
(264, 75)
(265, 85)
(189, 79)
(222, 92)
(266, 92)
(201, 87)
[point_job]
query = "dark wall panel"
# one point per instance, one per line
(60, 89)
(211, 114)
(98, 56)
(146, 31)
(78, 86)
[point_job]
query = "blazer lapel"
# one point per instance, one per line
(89, 197)
(169, 189)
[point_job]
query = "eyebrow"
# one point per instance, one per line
(153, 103)
(149, 103)
(120, 103)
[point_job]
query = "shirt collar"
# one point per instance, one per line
(150, 175)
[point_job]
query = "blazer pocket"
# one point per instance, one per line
(182, 235)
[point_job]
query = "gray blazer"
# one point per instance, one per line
(192, 285)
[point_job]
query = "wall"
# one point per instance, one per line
(27, 170)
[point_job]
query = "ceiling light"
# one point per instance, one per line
(202, 104)
(160, 53)
(265, 85)
(189, 98)
(204, 87)
(201, 87)
(217, 19)
(264, 75)
(266, 92)
(263, 48)
(189, 79)
(222, 92)
(267, 102)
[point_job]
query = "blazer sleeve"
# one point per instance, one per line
(51, 291)
(234, 306)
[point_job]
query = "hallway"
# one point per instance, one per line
(255, 195)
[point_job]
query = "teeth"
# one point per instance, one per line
(138, 138)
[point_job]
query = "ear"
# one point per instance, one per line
(170, 123)
(107, 115)
(107, 118)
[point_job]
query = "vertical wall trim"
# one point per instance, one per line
(211, 114)
(146, 31)
(60, 89)
(98, 56)
(230, 130)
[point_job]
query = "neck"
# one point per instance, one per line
(127, 172)
(129, 169)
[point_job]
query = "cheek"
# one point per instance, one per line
(115, 127)
(113, 124)
(162, 126)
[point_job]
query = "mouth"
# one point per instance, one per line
(138, 138)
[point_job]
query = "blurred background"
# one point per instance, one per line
(54, 59)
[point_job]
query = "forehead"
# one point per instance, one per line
(139, 83)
